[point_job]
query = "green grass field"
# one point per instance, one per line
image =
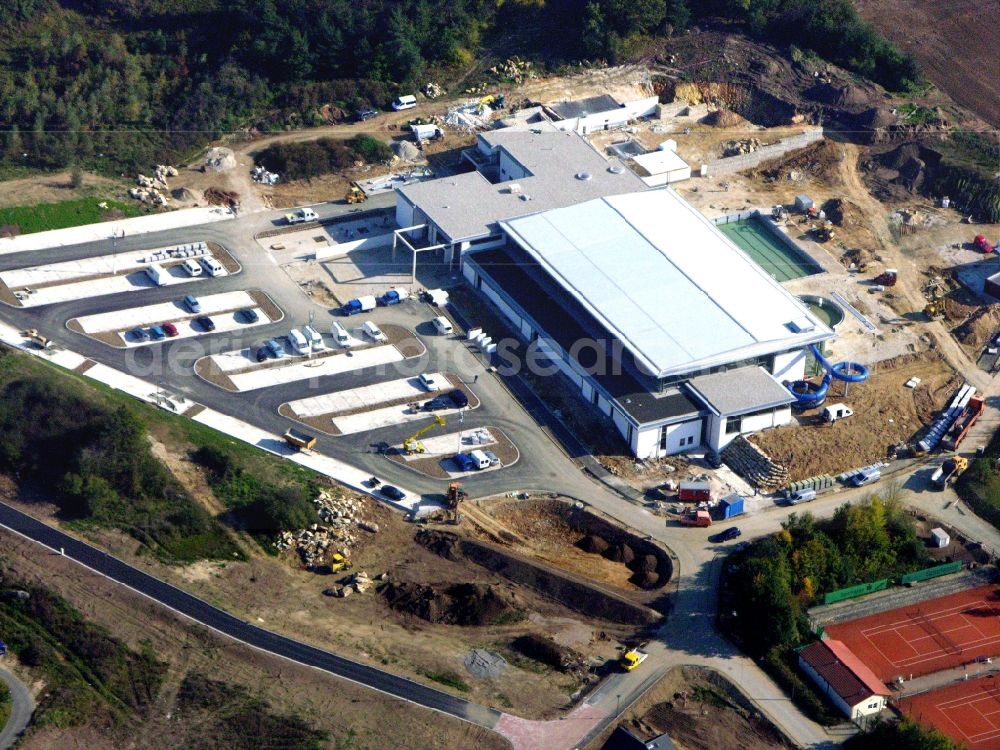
(767, 251)
(73, 213)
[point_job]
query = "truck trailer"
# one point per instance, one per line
(961, 426)
(358, 305)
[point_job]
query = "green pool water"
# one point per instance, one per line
(767, 251)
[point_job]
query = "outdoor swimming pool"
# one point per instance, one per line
(767, 251)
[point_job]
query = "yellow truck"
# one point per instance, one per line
(632, 659)
(299, 439)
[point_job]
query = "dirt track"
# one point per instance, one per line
(955, 42)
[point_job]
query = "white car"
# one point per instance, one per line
(429, 381)
(373, 331)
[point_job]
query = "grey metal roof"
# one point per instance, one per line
(468, 205)
(583, 107)
(740, 391)
(665, 281)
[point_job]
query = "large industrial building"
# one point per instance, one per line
(659, 320)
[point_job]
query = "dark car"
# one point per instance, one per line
(138, 334)
(464, 462)
(729, 534)
(262, 353)
(156, 333)
(365, 114)
(170, 329)
(655, 493)
(247, 316)
(458, 398)
(393, 493)
(205, 322)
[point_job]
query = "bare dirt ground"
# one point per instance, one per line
(276, 592)
(885, 413)
(954, 42)
(56, 187)
(351, 714)
(700, 710)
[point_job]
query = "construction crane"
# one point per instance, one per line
(456, 494)
(413, 445)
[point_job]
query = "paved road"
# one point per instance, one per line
(215, 618)
(22, 707)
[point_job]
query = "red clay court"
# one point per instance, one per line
(927, 637)
(967, 712)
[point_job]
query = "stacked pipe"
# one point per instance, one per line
(755, 466)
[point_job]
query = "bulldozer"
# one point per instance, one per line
(355, 194)
(338, 563)
(456, 495)
(413, 445)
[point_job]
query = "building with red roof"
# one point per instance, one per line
(843, 678)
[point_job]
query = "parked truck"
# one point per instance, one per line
(694, 491)
(949, 471)
(696, 518)
(982, 245)
(393, 297)
(961, 426)
(301, 216)
(299, 439)
(32, 334)
(358, 305)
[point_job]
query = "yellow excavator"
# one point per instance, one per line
(355, 194)
(413, 445)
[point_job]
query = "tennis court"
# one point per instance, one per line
(767, 251)
(967, 712)
(927, 637)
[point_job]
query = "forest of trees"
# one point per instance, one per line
(120, 84)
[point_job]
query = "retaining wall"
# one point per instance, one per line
(731, 164)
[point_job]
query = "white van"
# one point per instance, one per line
(212, 266)
(192, 267)
(314, 338)
(298, 341)
(340, 335)
(802, 496)
(481, 460)
(443, 325)
(409, 101)
(156, 274)
(373, 331)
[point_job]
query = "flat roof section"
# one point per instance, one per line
(740, 391)
(661, 278)
(567, 323)
(659, 161)
(467, 206)
(583, 107)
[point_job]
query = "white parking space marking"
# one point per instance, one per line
(339, 402)
(390, 415)
(304, 369)
(107, 285)
(134, 317)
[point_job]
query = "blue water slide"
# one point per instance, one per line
(809, 395)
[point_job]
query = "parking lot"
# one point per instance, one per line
(368, 386)
(114, 273)
(378, 405)
(227, 311)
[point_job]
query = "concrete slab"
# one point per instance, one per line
(103, 231)
(377, 418)
(452, 442)
(369, 396)
(305, 369)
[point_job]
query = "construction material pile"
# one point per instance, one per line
(740, 147)
(151, 189)
(343, 521)
(359, 582)
(432, 90)
(514, 69)
(754, 465)
(261, 175)
(470, 116)
(219, 159)
(405, 151)
(218, 197)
